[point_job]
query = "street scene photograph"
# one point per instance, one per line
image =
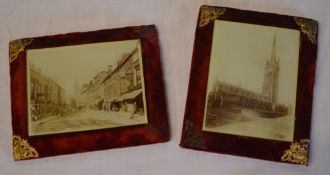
(252, 81)
(85, 87)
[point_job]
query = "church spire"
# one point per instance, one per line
(271, 76)
(273, 56)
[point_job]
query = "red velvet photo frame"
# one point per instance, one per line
(156, 130)
(234, 101)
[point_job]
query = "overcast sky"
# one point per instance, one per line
(78, 63)
(240, 51)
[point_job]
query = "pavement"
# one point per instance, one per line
(251, 124)
(85, 119)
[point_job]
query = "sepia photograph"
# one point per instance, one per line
(252, 81)
(85, 87)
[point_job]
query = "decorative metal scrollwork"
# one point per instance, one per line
(146, 32)
(22, 150)
(193, 138)
(298, 152)
(16, 47)
(308, 27)
(208, 14)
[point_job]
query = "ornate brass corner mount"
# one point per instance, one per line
(159, 130)
(308, 27)
(17, 46)
(193, 138)
(208, 14)
(22, 150)
(298, 152)
(145, 32)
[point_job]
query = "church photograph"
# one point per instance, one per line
(252, 81)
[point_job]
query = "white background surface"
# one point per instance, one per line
(176, 22)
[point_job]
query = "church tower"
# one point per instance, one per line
(271, 75)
